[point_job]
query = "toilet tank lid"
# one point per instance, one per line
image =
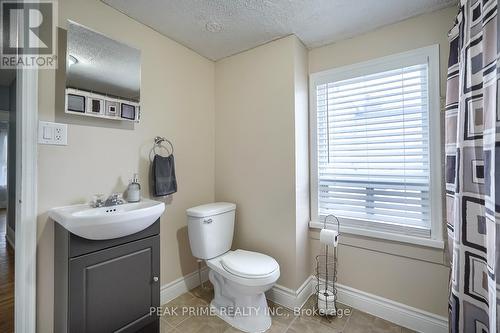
(211, 209)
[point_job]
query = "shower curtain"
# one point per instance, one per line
(472, 121)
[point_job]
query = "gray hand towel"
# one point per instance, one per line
(164, 181)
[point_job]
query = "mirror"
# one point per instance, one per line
(99, 64)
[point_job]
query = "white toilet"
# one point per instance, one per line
(240, 277)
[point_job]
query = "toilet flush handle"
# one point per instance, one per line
(207, 221)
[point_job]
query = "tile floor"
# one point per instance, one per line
(287, 321)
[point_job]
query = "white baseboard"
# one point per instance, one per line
(289, 298)
(10, 236)
(284, 296)
(182, 285)
(398, 313)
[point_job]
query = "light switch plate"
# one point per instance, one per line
(52, 133)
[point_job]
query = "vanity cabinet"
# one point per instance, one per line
(109, 285)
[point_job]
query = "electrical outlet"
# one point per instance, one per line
(60, 135)
(52, 133)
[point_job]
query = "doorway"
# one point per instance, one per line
(8, 101)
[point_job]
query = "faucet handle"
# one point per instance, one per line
(116, 198)
(119, 198)
(98, 200)
(113, 200)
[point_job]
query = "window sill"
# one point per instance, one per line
(427, 242)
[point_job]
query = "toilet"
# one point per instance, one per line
(240, 278)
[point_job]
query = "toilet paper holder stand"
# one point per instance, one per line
(325, 222)
(326, 276)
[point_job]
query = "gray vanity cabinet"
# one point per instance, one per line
(107, 286)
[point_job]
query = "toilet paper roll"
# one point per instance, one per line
(329, 237)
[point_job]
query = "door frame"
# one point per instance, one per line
(26, 200)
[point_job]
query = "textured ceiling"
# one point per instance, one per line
(244, 24)
(103, 65)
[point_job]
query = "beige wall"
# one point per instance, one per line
(177, 102)
(420, 31)
(256, 156)
(260, 154)
(302, 209)
(413, 275)
(256, 102)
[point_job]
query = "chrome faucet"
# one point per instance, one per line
(113, 200)
(98, 201)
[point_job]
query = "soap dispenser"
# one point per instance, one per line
(134, 190)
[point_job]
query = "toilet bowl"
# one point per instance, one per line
(240, 278)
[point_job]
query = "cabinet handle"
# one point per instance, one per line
(155, 279)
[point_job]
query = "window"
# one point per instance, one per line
(376, 146)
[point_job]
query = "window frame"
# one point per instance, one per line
(430, 54)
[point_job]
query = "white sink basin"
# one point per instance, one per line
(108, 222)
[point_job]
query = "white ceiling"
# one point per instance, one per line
(245, 24)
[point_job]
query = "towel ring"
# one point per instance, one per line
(158, 143)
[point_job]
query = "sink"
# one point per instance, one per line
(108, 222)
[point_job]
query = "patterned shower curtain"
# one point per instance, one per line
(473, 166)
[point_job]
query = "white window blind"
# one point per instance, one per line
(373, 149)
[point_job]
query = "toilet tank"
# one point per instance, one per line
(210, 229)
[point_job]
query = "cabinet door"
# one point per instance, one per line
(113, 290)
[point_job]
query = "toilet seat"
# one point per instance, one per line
(240, 275)
(248, 264)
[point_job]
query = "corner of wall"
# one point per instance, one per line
(301, 136)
